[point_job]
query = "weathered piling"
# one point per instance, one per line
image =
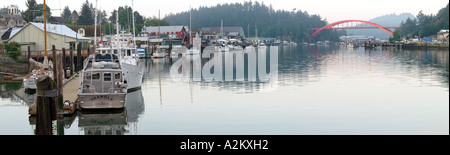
(46, 110)
(71, 62)
(64, 60)
(79, 62)
(28, 60)
(59, 82)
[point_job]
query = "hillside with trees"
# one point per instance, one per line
(286, 25)
(425, 25)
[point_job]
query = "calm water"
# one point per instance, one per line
(319, 90)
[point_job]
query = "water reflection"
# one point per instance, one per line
(338, 90)
(240, 71)
(116, 122)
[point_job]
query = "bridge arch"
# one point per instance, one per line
(330, 26)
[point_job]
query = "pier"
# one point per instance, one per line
(416, 46)
(70, 95)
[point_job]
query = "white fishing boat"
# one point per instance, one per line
(104, 85)
(127, 52)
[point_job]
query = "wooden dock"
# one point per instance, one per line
(70, 94)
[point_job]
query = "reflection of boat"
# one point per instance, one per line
(103, 85)
(103, 123)
(135, 105)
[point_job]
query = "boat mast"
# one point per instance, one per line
(190, 25)
(117, 36)
(159, 22)
(221, 29)
(45, 37)
(134, 27)
(95, 21)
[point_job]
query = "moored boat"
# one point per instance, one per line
(104, 85)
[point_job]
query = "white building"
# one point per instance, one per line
(59, 35)
(13, 10)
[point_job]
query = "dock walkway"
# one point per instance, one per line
(70, 89)
(70, 93)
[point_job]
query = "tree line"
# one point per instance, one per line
(86, 16)
(424, 25)
(282, 24)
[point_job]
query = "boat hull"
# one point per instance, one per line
(102, 101)
(134, 75)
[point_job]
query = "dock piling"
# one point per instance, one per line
(46, 111)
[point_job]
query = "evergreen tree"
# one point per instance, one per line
(66, 13)
(286, 25)
(86, 17)
(426, 25)
(31, 8)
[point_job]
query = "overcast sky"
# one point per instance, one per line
(332, 10)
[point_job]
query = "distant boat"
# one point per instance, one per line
(141, 53)
(160, 52)
(276, 43)
(30, 81)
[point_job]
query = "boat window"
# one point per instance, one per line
(115, 52)
(117, 76)
(107, 77)
(87, 76)
(96, 76)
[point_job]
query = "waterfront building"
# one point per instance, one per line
(442, 35)
(59, 35)
(213, 33)
(11, 20)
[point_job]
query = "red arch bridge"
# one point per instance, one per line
(351, 24)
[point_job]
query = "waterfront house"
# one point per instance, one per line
(442, 35)
(11, 20)
(59, 35)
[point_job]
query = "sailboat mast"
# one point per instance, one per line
(190, 24)
(45, 64)
(134, 27)
(45, 31)
(95, 29)
(159, 21)
(119, 50)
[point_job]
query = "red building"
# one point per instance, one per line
(174, 32)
